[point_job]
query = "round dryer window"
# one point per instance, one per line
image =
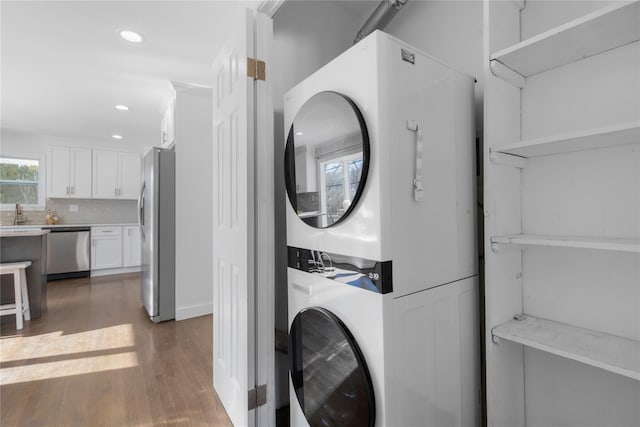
(326, 159)
(328, 371)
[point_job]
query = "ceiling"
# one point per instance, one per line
(64, 66)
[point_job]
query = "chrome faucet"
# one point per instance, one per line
(19, 219)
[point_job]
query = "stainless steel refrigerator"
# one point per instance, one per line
(156, 216)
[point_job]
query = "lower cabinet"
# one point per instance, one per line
(106, 247)
(115, 247)
(130, 246)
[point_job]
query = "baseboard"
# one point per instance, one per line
(189, 311)
(110, 271)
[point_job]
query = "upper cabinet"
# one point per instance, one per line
(129, 170)
(69, 172)
(116, 175)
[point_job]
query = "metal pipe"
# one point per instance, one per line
(381, 16)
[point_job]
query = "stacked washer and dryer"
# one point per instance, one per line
(381, 235)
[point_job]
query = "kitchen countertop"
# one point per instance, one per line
(23, 233)
(39, 226)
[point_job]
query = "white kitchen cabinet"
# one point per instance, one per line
(561, 208)
(105, 174)
(106, 247)
(131, 246)
(129, 175)
(116, 175)
(69, 172)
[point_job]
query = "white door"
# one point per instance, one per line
(243, 330)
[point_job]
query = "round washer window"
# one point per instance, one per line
(328, 371)
(326, 159)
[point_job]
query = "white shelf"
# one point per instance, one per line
(604, 137)
(605, 351)
(600, 243)
(606, 29)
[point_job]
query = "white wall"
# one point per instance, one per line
(194, 203)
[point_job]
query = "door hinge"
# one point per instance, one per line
(256, 69)
(257, 396)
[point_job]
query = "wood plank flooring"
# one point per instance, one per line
(95, 359)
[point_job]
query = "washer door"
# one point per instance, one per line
(326, 159)
(328, 371)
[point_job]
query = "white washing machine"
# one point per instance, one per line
(381, 236)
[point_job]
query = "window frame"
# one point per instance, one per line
(41, 204)
(343, 159)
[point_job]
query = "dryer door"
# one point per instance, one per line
(328, 372)
(326, 159)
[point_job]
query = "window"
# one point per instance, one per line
(339, 180)
(21, 181)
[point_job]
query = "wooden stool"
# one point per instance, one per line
(21, 305)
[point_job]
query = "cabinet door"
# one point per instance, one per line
(106, 247)
(130, 246)
(81, 173)
(105, 174)
(129, 171)
(59, 172)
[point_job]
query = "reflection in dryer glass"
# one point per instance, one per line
(329, 374)
(326, 159)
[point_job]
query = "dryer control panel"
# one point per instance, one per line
(374, 276)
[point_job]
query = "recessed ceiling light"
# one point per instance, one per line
(131, 36)
(122, 107)
(299, 133)
(116, 136)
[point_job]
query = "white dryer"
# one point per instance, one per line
(381, 237)
(356, 115)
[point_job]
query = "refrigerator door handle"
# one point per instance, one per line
(141, 209)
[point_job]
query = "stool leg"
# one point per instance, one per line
(26, 308)
(18, 291)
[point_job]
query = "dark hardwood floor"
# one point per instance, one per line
(95, 359)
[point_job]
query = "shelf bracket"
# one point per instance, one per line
(500, 245)
(507, 74)
(499, 158)
(495, 339)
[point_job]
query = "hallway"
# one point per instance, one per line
(95, 359)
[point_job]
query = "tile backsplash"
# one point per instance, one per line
(308, 202)
(89, 212)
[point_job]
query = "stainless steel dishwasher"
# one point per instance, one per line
(68, 252)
